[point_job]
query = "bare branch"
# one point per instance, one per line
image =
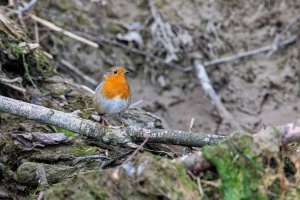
(136, 151)
(249, 53)
(27, 7)
(162, 33)
(112, 135)
(9, 83)
(210, 91)
(67, 33)
(79, 72)
(282, 33)
(119, 136)
(102, 40)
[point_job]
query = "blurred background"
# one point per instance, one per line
(158, 41)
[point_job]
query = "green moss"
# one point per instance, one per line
(115, 28)
(158, 180)
(35, 193)
(85, 150)
(59, 91)
(79, 188)
(187, 183)
(82, 103)
(238, 168)
(67, 132)
(159, 4)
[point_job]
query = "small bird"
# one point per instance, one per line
(112, 95)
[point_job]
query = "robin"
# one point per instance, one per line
(112, 95)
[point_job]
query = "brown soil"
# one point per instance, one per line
(256, 90)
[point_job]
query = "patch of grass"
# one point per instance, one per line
(20, 52)
(85, 151)
(67, 132)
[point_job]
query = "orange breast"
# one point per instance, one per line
(116, 86)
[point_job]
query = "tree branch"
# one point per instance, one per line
(249, 53)
(111, 135)
(213, 96)
(118, 136)
(78, 72)
(282, 33)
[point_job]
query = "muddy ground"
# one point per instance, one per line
(256, 90)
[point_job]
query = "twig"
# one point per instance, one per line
(136, 103)
(41, 195)
(15, 87)
(102, 40)
(162, 33)
(211, 27)
(80, 158)
(136, 151)
(190, 130)
(215, 99)
(15, 80)
(257, 13)
(8, 82)
(67, 33)
(108, 163)
(27, 7)
(41, 175)
(79, 72)
(282, 33)
(191, 124)
(89, 90)
(249, 53)
(200, 187)
(165, 153)
(36, 32)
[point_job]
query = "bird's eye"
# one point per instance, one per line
(115, 72)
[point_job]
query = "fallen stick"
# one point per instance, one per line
(9, 83)
(249, 53)
(79, 72)
(67, 33)
(282, 33)
(213, 96)
(27, 6)
(118, 136)
(136, 151)
(110, 135)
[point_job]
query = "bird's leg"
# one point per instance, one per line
(123, 126)
(102, 124)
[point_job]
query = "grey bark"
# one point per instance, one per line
(111, 135)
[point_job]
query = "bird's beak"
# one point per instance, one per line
(126, 72)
